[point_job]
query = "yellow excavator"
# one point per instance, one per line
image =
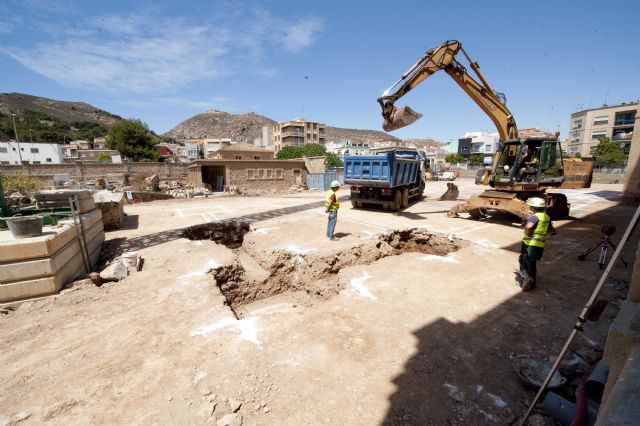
(522, 167)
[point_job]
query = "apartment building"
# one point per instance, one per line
(615, 122)
(201, 148)
(346, 147)
(31, 153)
(297, 132)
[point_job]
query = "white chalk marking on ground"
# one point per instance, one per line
(368, 236)
(265, 231)
(198, 243)
(180, 212)
(370, 225)
(246, 328)
(485, 243)
(360, 288)
(297, 250)
(186, 278)
(286, 361)
(487, 415)
(224, 209)
(447, 258)
(476, 228)
(198, 377)
(497, 401)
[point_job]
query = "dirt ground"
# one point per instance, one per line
(408, 318)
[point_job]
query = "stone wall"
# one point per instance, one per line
(79, 170)
(263, 178)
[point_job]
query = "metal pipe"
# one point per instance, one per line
(15, 130)
(84, 235)
(78, 236)
(583, 315)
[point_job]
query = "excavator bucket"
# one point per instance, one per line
(400, 117)
(451, 193)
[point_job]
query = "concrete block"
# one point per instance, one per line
(623, 405)
(48, 285)
(38, 268)
(62, 194)
(621, 340)
(52, 239)
(84, 204)
(112, 206)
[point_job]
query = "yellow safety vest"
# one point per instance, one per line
(540, 233)
(327, 202)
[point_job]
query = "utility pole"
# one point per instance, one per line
(15, 130)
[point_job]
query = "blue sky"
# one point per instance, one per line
(327, 61)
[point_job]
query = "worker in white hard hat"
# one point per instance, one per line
(533, 238)
(331, 206)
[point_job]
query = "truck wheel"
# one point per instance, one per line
(397, 201)
(386, 207)
(405, 197)
(354, 204)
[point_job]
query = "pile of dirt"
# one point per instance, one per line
(317, 274)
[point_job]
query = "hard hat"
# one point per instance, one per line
(537, 202)
(506, 168)
(335, 184)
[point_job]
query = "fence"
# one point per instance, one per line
(322, 181)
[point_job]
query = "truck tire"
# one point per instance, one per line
(405, 197)
(397, 200)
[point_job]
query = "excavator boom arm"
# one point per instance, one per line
(444, 58)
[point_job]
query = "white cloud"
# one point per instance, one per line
(6, 28)
(150, 54)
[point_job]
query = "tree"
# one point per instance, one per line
(608, 152)
(578, 155)
(454, 158)
(103, 157)
(332, 160)
(476, 158)
(133, 139)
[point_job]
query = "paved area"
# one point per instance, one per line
(415, 338)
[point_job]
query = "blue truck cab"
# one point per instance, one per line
(390, 178)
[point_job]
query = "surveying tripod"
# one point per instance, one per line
(605, 241)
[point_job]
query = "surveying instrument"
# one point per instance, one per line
(605, 241)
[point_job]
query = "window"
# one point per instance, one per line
(625, 118)
(269, 174)
(577, 124)
(279, 173)
(262, 173)
(48, 160)
(35, 150)
(5, 162)
(3, 149)
(600, 120)
(251, 174)
(35, 162)
(598, 134)
(237, 157)
(256, 157)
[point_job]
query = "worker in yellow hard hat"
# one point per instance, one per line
(533, 239)
(331, 206)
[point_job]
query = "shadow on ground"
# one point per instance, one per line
(461, 372)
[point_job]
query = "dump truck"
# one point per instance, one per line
(521, 169)
(390, 179)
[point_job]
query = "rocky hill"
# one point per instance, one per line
(423, 143)
(220, 124)
(18, 103)
(247, 127)
(357, 136)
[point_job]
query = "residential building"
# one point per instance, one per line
(201, 148)
(241, 151)
(615, 122)
(451, 147)
(31, 153)
(99, 156)
(297, 132)
(345, 147)
(100, 143)
(266, 140)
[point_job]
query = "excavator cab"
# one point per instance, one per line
(529, 163)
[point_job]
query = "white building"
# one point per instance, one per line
(32, 153)
(201, 148)
(484, 142)
(345, 147)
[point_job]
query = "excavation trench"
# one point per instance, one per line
(228, 233)
(315, 274)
